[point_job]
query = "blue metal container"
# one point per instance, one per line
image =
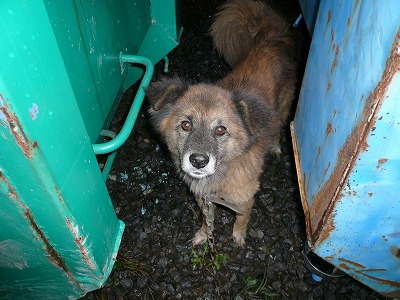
(346, 133)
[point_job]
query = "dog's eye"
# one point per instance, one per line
(220, 130)
(186, 125)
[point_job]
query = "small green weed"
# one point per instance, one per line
(204, 258)
(257, 290)
(123, 263)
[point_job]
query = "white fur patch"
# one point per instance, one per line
(194, 172)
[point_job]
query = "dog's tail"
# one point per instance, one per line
(237, 23)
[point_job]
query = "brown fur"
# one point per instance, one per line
(251, 103)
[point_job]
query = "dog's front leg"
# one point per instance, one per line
(240, 226)
(201, 234)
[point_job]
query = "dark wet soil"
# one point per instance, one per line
(156, 259)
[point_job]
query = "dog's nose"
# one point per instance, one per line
(199, 160)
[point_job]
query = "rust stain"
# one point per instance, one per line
(345, 267)
(327, 230)
(384, 281)
(52, 254)
(59, 196)
(335, 60)
(370, 270)
(329, 86)
(301, 178)
(348, 21)
(355, 264)
(78, 241)
(332, 35)
(328, 129)
(328, 21)
(327, 168)
(16, 129)
(324, 201)
(381, 161)
(318, 154)
(329, 17)
(370, 194)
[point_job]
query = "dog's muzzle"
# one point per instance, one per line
(198, 165)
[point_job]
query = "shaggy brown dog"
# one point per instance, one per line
(218, 135)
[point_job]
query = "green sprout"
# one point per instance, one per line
(205, 259)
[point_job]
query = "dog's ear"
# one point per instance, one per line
(252, 111)
(165, 91)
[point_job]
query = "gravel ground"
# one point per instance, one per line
(156, 259)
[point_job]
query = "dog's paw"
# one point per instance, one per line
(239, 237)
(200, 237)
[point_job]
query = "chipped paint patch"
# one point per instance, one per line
(34, 111)
(381, 161)
(80, 241)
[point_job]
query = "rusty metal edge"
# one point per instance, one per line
(303, 195)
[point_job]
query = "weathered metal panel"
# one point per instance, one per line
(92, 34)
(60, 75)
(345, 133)
(60, 222)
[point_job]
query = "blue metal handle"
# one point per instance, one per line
(126, 130)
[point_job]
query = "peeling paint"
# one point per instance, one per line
(79, 240)
(11, 120)
(381, 161)
(33, 111)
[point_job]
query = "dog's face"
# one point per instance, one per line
(203, 125)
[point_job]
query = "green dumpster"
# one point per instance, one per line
(64, 68)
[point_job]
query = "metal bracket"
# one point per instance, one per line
(126, 130)
(117, 140)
